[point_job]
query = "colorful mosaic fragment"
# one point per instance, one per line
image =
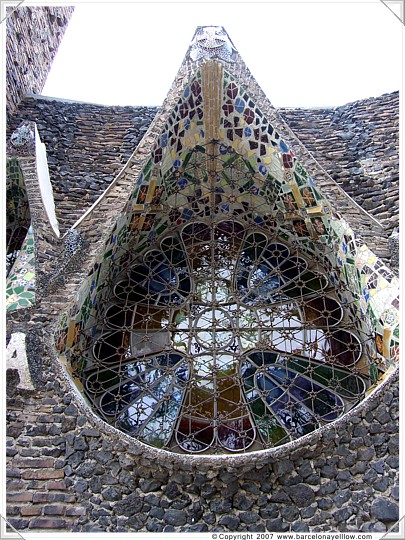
(20, 286)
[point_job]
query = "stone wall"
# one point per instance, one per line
(73, 472)
(87, 145)
(33, 37)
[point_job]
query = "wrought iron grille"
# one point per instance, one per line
(220, 338)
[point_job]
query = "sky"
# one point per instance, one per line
(302, 54)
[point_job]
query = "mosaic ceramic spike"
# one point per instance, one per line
(18, 211)
(232, 308)
(212, 42)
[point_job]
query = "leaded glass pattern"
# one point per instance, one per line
(218, 338)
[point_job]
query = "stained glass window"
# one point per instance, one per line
(216, 338)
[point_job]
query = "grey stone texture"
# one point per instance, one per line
(32, 40)
(358, 145)
(87, 145)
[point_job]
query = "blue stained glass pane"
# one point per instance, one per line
(118, 398)
(159, 428)
(247, 372)
(158, 278)
(184, 283)
(263, 358)
(169, 359)
(173, 253)
(294, 417)
(283, 146)
(322, 402)
(139, 273)
(270, 390)
(262, 282)
(140, 406)
(164, 279)
(293, 267)
(137, 414)
(275, 254)
(290, 413)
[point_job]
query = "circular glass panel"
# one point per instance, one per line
(217, 339)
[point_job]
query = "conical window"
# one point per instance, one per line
(227, 314)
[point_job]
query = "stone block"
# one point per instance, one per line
(54, 509)
(301, 494)
(30, 510)
(24, 496)
(42, 474)
(18, 524)
(175, 517)
(75, 511)
(48, 523)
(248, 517)
(385, 510)
(56, 485)
(130, 505)
(231, 522)
(35, 463)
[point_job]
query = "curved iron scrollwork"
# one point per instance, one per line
(217, 338)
